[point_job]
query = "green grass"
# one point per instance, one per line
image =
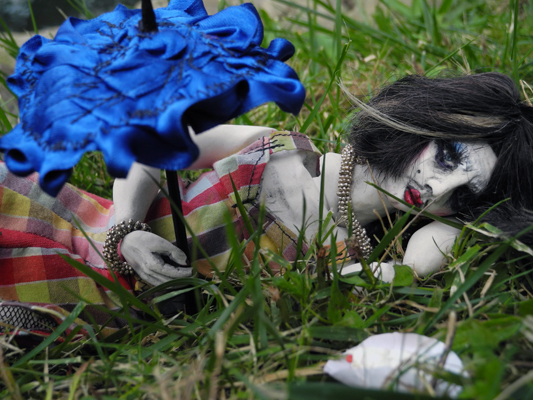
(268, 337)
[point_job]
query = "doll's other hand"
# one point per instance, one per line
(144, 251)
(384, 271)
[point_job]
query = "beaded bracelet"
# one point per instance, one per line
(113, 238)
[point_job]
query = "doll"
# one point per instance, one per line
(448, 145)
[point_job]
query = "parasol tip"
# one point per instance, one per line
(148, 22)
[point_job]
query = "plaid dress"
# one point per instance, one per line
(209, 201)
(36, 229)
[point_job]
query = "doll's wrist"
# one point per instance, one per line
(113, 258)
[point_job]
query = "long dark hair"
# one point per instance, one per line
(400, 120)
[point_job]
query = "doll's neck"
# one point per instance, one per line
(365, 198)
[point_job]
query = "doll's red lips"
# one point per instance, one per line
(412, 196)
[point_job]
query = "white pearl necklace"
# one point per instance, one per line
(344, 195)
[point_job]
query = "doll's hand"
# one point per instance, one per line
(145, 252)
(384, 271)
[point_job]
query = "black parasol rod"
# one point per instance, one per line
(148, 22)
(177, 212)
(191, 299)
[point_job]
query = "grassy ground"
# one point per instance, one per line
(268, 338)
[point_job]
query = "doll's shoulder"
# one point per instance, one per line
(293, 147)
(292, 141)
(278, 145)
(279, 141)
(298, 147)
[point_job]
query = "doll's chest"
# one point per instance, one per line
(289, 192)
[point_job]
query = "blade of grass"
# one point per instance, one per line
(34, 23)
(429, 70)
(9, 43)
(389, 237)
(338, 29)
(513, 39)
(469, 282)
(226, 314)
(53, 336)
(81, 7)
(5, 121)
(336, 71)
(115, 287)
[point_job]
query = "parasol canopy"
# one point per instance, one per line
(131, 90)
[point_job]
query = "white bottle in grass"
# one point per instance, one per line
(404, 362)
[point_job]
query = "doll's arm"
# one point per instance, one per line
(425, 252)
(224, 140)
(145, 251)
(426, 249)
(134, 195)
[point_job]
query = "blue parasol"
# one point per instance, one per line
(129, 83)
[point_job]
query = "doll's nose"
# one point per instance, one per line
(446, 184)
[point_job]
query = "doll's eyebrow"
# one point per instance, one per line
(460, 150)
(464, 157)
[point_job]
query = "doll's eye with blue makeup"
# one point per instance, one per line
(449, 154)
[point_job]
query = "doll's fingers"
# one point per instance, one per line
(350, 268)
(158, 245)
(149, 276)
(148, 269)
(152, 257)
(170, 271)
(162, 275)
(148, 242)
(384, 271)
(180, 272)
(177, 255)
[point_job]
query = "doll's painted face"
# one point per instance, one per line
(439, 171)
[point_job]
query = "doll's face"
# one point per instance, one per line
(440, 169)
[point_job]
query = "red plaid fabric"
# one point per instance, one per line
(37, 228)
(206, 201)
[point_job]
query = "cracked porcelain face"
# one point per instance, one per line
(437, 174)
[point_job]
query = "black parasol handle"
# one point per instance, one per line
(177, 212)
(191, 300)
(148, 22)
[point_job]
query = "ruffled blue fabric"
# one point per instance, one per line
(104, 85)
